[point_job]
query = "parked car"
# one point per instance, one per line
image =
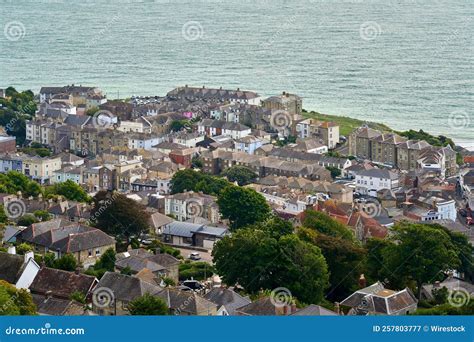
(192, 284)
(194, 256)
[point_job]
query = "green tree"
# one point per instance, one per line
(15, 302)
(119, 216)
(66, 263)
(240, 174)
(14, 181)
(271, 260)
(448, 310)
(196, 270)
(464, 251)
(242, 206)
(148, 305)
(27, 220)
(24, 248)
(376, 269)
(107, 260)
(190, 180)
(3, 215)
(79, 297)
(345, 260)
(71, 190)
(15, 109)
(157, 246)
(335, 172)
(325, 224)
(178, 125)
(42, 215)
(168, 282)
(421, 253)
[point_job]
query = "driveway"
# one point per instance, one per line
(205, 256)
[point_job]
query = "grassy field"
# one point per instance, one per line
(346, 124)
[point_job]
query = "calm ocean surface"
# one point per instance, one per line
(406, 63)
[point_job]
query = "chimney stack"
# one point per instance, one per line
(293, 307)
(337, 308)
(362, 281)
(28, 256)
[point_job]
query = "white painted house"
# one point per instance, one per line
(18, 270)
(368, 182)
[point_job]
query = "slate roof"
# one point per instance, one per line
(65, 236)
(378, 173)
(186, 229)
(77, 120)
(314, 310)
(136, 264)
(210, 93)
(159, 220)
(185, 301)
(62, 284)
(376, 299)
(232, 126)
(261, 307)
(58, 307)
(228, 298)
(11, 267)
(127, 288)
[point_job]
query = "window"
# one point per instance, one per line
(89, 252)
(97, 252)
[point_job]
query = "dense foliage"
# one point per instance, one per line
(70, 190)
(242, 206)
(324, 224)
(418, 253)
(15, 109)
(345, 261)
(240, 174)
(196, 270)
(267, 256)
(105, 263)
(118, 215)
(148, 305)
(190, 180)
(15, 302)
(13, 181)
